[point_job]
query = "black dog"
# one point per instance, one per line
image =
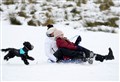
(23, 52)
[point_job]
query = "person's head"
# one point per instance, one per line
(58, 33)
(50, 32)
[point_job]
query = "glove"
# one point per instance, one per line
(78, 40)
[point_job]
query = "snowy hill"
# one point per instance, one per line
(89, 14)
(41, 70)
(98, 28)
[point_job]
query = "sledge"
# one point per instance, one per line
(76, 61)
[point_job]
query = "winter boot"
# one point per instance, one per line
(110, 55)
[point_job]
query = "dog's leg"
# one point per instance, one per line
(6, 57)
(29, 57)
(24, 60)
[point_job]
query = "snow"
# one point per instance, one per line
(41, 70)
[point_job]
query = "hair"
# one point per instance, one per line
(49, 26)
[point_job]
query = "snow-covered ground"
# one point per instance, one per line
(41, 70)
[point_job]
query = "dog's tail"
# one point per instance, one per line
(5, 50)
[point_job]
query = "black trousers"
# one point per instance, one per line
(61, 52)
(85, 50)
(80, 48)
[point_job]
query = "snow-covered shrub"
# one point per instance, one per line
(34, 22)
(106, 29)
(23, 7)
(94, 24)
(74, 12)
(47, 15)
(110, 2)
(106, 5)
(69, 4)
(1, 9)
(8, 2)
(113, 31)
(48, 21)
(78, 3)
(66, 16)
(112, 22)
(90, 24)
(33, 11)
(97, 1)
(102, 28)
(14, 20)
(84, 1)
(31, 23)
(22, 14)
(32, 1)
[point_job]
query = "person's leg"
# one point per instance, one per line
(78, 40)
(61, 52)
(71, 53)
(58, 54)
(86, 51)
(101, 58)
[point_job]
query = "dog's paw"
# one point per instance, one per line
(31, 58)
(26, 63)
(6, 58)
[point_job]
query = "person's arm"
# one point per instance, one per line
(64, 44)
(48, 52)
(78, 40)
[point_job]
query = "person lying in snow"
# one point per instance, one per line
(56, 54)
(64, 43)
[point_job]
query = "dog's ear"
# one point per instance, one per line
(26, 42)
